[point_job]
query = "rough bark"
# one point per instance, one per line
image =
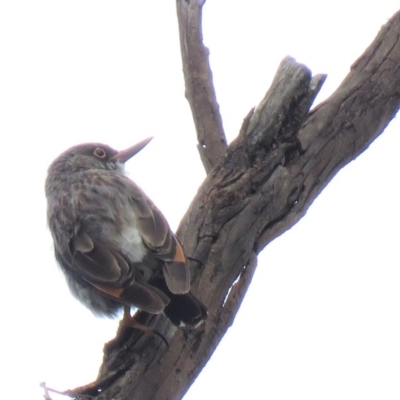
(260, 187)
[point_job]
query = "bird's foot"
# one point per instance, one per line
(128, 321)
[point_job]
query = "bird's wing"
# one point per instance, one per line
(97, 262)
(159, 239)
(109, 272)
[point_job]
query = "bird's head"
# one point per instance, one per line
(93, 156)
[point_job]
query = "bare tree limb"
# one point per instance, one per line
(200, 90)
(283, 157)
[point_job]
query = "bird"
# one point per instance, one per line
(113, 244)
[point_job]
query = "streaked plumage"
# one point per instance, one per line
(114, 246)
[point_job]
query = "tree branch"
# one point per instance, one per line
(200, 90)
(283, 157)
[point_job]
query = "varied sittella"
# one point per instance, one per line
(113, 244)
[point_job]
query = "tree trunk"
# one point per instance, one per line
(257, 187)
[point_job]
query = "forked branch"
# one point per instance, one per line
(258, 188)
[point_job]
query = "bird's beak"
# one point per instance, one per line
(125, 155)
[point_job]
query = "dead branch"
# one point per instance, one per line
(282, 159)
(200, 91)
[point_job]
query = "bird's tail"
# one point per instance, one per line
(183, 309)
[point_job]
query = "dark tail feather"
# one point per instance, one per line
(183, 308)
(186, 309)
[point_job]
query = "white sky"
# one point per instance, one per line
(322, 317)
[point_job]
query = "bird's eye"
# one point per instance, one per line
(99, 152)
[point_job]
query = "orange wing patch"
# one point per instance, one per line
(179, 254)
(113, 292)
